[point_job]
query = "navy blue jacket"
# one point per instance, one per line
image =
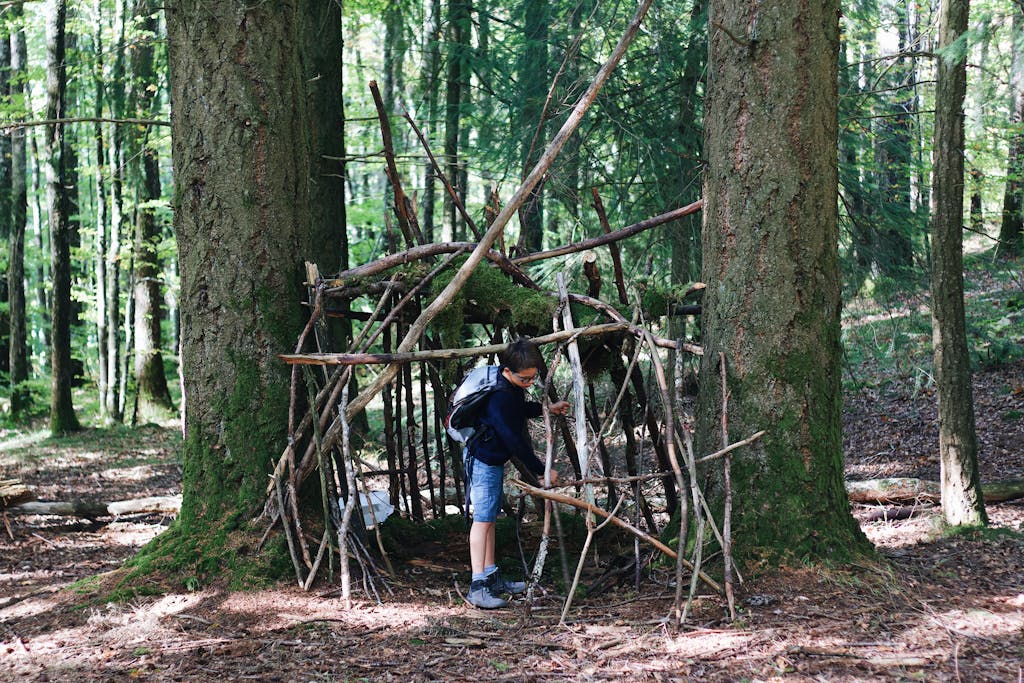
(502, 428)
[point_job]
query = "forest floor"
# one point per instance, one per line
(929, 607)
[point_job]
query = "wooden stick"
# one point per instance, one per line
(591, 530)
(569, 500)
(444, 179)
(659, 373)
(613, 248)
(732, 447)
(727, 515)
(628, 231)
(579, 398)
(406, 220)
(441, 354)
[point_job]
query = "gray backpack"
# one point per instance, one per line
(467, 403)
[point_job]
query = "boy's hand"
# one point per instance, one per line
(560, 408)
(554, 477)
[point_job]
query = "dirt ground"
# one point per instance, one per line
(931, 607)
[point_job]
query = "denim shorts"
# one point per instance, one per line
(485, 490)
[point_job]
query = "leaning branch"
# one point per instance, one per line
(611, 237)
(438, 354)
(87, 119)
(583, 505)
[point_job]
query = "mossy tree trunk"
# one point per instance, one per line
(771, 263)
(962, 502)
(242, 157)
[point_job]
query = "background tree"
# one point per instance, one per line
(1011, 227)
(770, 251)
(19, 359)
(533, 80)
(153, 397)
(5, 201)
(62, 412)
(962, 502)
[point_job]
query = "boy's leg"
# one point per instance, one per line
(481, 542)
(485, 492)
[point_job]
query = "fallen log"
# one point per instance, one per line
(93, 509)
(13, 492)
(909, 490)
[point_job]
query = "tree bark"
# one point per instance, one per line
(532, 69)
(114, 400)
(1011, 227)
(771, 246)
(153, 397)
(5, 205)
(62, 411)
(19, 359)
(102, 173)
(323, 73)
(458, 72)
(962, 502)
(241, 129)
(431, 68)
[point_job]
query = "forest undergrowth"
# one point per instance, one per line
(929, 606)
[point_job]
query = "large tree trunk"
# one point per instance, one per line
(962, 502)
(153, 397)
(19, 363)
(62, 411)
(1011, 228)
(242, 145)
(771, 264)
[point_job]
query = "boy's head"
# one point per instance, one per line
(522, 354)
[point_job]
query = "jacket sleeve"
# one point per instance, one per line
(507, 417)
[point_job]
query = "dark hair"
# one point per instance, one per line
(522, 354)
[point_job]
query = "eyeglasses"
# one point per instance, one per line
(527, 380)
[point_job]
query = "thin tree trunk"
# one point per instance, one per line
(458, 72)
(532, 69)
(153, 397)
(1011, 227)
(962, 502)
(101, 216)
(42, 246)
(62, 411)
(432, 66)
(19, 361)
(114, 407)
(5, 206)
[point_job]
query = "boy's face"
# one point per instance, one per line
(523, 378)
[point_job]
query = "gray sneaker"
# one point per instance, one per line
(503, 585)
(481, 595)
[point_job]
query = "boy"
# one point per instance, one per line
(501, 435)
